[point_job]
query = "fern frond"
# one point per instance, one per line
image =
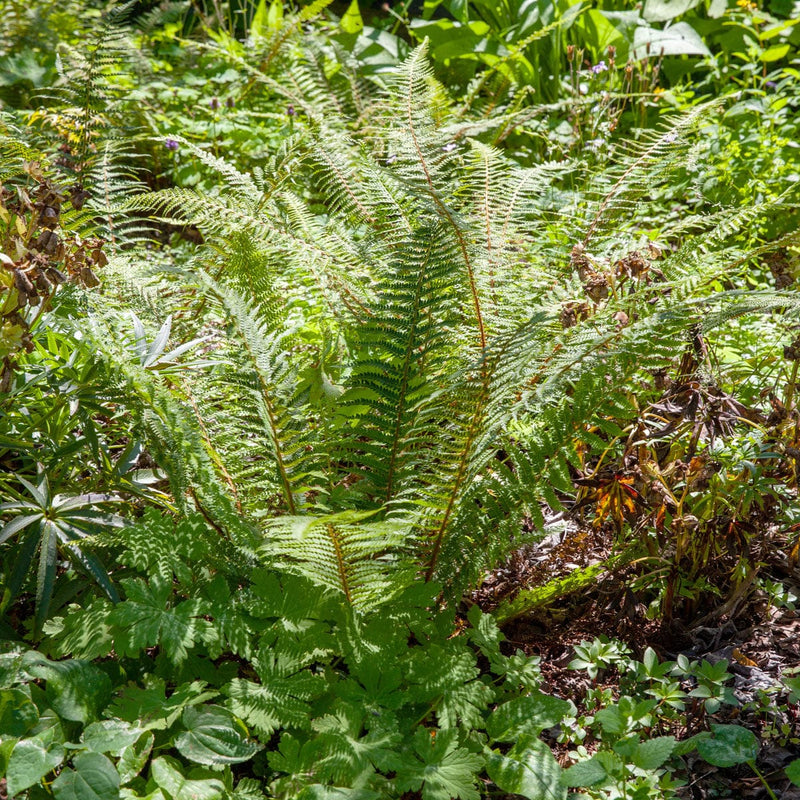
(366, 562)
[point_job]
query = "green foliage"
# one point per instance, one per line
(377, 366)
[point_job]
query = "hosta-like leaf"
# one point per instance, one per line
(167, 776)
(110, 736)
(92, 777)
(76, 690)
(134, 757)
(528, 715)
(17, 713)
(214, 736)
(728, 746)
(793, 772)
(534, 774)
(30, 761)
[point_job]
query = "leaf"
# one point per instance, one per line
(147, 618)
(169, 778)
(17, 713)
(776, 52)
(793, 772)
(729, 745)
(110, 736)
(150, 708)
(654, 752)
(443, 770)
(214, 736)
(93, 777)
(134, 757)
(534, 774)
(676, 40)
(525, 715)
(584, 773)
(76, 690)
(351, 19)
(30, 761)
(663, 10)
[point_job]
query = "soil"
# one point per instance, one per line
(760, 641)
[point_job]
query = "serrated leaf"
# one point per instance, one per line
(92, 777)
(147, 618)
(793, 772)
(274, 702)
(30, 761)
(214, 736)
(535, 774)
(584, 773)
(728, 746)
(654, 752)
(442, 770)
(528, 715)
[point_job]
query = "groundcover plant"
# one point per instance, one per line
(266, 430)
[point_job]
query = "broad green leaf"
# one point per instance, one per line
(259, 21)
(793, 772)
(351, 19)
(584, 773)
(134, 757)
(729, 745)
(275, 15)
(535, 774)
(169, 778)
(599, 32)
(663, 10)
(525, 715)
(676, 40)
(17, 713)
(110, 736)
(30, 761)
(6, 746)
(76, 690)
(92, 777)
(776, 52)
(214, 736)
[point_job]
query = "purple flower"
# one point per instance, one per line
(771, 85)
(171, 144)
(213, 103)
(229, 102)
(599, 67)
(290, 111)
(449, 147)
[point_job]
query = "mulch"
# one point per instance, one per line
(761, 642)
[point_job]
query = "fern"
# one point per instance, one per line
(422, 387)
